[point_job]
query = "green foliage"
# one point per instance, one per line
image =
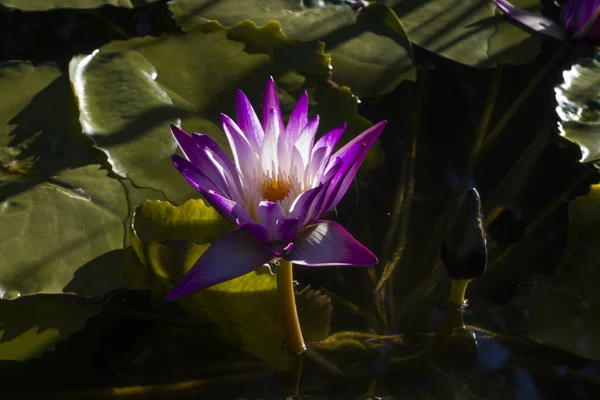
(32, 325)
(44, 5)
(578, 112)
(245, 309)
(472, 32)
(370, 50)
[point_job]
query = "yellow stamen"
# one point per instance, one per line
(275, 189)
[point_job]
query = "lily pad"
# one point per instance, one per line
(57, 226)
(472, 32)
(578, 98)
(370, 50)
(129, 92)
(43, 5)
(57, 213)
(246, 309)
(32, 326)
(571, 300)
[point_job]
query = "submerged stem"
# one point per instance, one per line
(287, 301)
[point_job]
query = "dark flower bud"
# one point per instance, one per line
(464, 249)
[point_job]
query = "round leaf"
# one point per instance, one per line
(130, 91)
(472, 32)
(370, 50)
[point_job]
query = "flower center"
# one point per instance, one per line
(275, 189)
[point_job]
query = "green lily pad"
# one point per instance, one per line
(129, 92)
(53, 228)
(58, 213)
(571, 300)
(43, 5)
(472, 32)
(246, 309)
(32, 325)
(578, 99)
(370, 50)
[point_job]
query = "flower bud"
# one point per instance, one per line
(464, 249)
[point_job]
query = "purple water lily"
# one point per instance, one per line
(579, 19)
(276, 189)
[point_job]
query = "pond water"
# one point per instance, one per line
(480, 201)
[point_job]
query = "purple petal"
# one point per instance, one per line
(268, 214)
(532, 20)
(186, 143)
(230, 179)
(205, 142)
(243, 154)
(288, 228)
(271, 154)
(195, 177)
(227, 208)
(298, 118)
(327, 243)
(248, 121)
(306, 139)
(258, 232)
(271, 101)
(342, 180)
(581, 18)
(317, 207)
(234, 254)
(322, 150)
(301, 205)
(352, 155)
(330, 139)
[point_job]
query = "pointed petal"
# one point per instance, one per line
(258, 232)
(340, 183)
(271, 101)
(352, 155)
(248, 121)
(327, 243)
(306, 139)
(186, 143)
(233, 255)
(317, 206)
(322, 150)
(330, 139)
(245, 158)
(205, 142)
(368, 137)
(532, 20)
(298, 118)
(288, 228)
(231, 179)
(268, 214)
(270, 155)
(195, 177)
(301, 205)
(229, 209)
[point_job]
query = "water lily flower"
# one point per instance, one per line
(579, 19)
(277, 187)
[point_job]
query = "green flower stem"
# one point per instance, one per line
(287, 301)
(455, 316)
(457, 291)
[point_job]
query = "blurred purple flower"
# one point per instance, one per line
(579, 19)
(279, 185)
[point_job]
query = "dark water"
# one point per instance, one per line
(139, 347)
